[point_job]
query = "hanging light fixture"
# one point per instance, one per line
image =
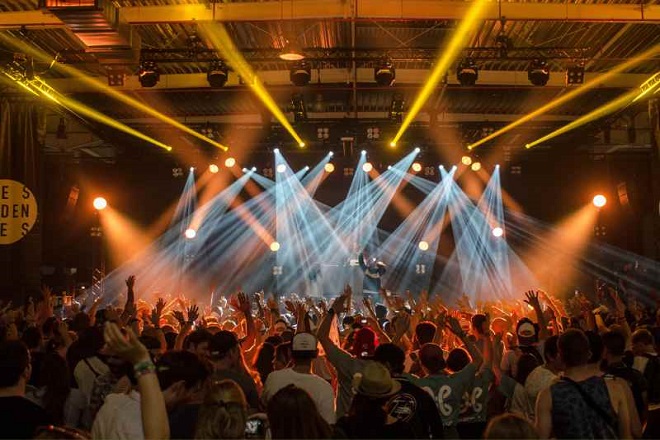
(291, 52)
(217, 74)
(467, 72)
(538, 72)
(300, 74)
(148, 74)
(384, 73)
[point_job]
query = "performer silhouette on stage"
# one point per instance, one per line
(373, 270)
(315, 281)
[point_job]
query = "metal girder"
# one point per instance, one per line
(388, 10)
(341, 76)
(364, 10)
(444, 119)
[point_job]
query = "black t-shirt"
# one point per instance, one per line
(354, 428)
(183, 421)
(19, 417)
(414, 406)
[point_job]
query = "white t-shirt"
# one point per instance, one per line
(320, 390)
(120, 417)
(539, 379)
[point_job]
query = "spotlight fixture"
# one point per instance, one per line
(575, 75)
(274, 246)
(213, 168)
(253, 169)
(363, 152)
(392, 144)
(423, 245)
(599, 201)
(190, 233)
(218, 74)
(416, 167)
(230, 162)
(466, 160)
(148, 74)
(476, 166)
(276, 150)
(331, 153)
(291, 52)
(467, 72)
(373, 133)
(538, 72)
(100, 203)
(281, 168)
(329, 167)
(116, 78)
(301, 144)
(417, 149)
(384, 73)
(300, 74)
(498, 232)
(367, 167)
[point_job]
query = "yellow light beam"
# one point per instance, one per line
(104, 88)
(449, 54)
(47, 91)
(220, 39)
(574, 93)
(610, 107)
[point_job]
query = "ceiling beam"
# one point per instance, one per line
(444, 119)
(404, 77)
(389, 10)
(380, 10)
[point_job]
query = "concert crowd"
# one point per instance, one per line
(390, 365)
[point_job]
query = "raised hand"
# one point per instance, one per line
(178, 315)
(455, 326)
(258, 298)
(339, 304)
(160, 305)
(533, 299)
(193, 313)
(271, 302)
(126, 347)
(130, 282)
(401, 324)
(157, 312)
(290, 306)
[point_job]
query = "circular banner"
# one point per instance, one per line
(18, 211)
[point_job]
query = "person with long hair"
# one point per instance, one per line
(223, 414)
(64, 405)
(264, 362)
(292, 413)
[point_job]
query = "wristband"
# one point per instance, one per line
(144, 367)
